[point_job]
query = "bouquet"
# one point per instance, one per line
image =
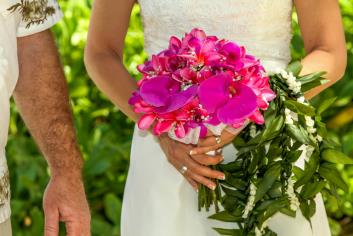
(202, 81)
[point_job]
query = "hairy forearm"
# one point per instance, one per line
(333, 64)
(42, 98)
(108, 72)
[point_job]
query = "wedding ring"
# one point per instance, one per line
(183, 170)
(218, 140)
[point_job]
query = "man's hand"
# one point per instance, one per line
(64, 200)
(42, 97)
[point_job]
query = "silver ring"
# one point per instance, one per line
(183, 170)
(218, 139)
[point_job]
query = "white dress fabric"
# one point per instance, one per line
(11, 27)
(158, 200)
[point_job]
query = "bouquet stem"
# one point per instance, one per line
(208, 197)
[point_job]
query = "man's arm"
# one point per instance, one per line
(41, 95)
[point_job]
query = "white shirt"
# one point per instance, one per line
(12, 26)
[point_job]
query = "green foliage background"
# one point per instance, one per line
(104, 133)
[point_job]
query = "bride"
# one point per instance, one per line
(159, 197)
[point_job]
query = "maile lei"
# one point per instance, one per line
(200, 81)
(265, 177)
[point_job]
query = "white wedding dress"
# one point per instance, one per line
(158, 200)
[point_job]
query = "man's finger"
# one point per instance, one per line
(51, 227)
(74, 228)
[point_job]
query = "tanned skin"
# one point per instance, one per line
(41, 95)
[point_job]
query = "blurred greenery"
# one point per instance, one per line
(104, 133)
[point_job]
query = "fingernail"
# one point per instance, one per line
(212, 187)
(192, 152)
(197, 190)
(222, 177)
(222, 158)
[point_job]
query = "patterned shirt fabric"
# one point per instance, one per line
(17, 19)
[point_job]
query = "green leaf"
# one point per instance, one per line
(288, 212)
(308, 209)
(308, 86)
(230, 203)
(330, 173)
(295, 67)
(310, 190)
(112, 207)
(298, 172)
(321, 128)
(232, 166)
(294, 155)
(232, 232)
(234, 193)
(325, 104)
(275, 207)
(300, 108)
(235, 182)
(272, 129)
(101, 226)
(309, 78)
(276, 190)
(336, 157)
(225, 217)
(298, 133)
(267, 204)
(310, 168)
(266, 183)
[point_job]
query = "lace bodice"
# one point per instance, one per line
(262, 26)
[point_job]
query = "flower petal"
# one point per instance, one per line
(180, 131)
(241, 106)
(257, 117)
(213, 92)
(203, 131)
(155, 90)
(146, 121)
(163, 126)
(178, 100)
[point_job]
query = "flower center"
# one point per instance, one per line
(232, 91)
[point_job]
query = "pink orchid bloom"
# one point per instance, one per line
(232, 101)
(200, 80)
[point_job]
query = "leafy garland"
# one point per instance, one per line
(33, 11)
(263, 179)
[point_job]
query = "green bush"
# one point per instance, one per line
(105, 134)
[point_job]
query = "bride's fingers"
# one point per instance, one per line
(202, 180)
(207, 172)
(208, 159)
(213, 140)
(207, 149)
(190, 176)
(179, 166)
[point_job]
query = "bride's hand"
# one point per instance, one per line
(214, 143)
(194, 168)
